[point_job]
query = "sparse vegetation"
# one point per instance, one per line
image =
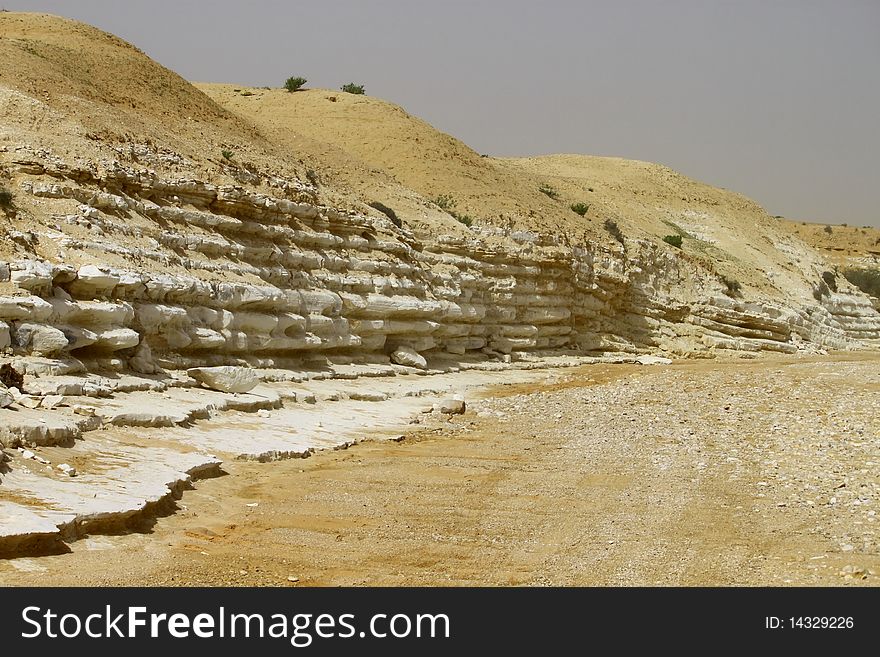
(867, 280)
(227, 155)
(733, 286)
(352, 88)
(674, 240)
(828, 229)
(549, 190)
(678, 230)
(312, 177)
(247, 93)
(614, 229)
(830, 280)
(5, 198)
(444, 202)
(294, 84)
(388, 212)
(580, 208)
(820, 290)
(447, 203)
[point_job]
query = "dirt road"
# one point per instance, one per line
(695, 474)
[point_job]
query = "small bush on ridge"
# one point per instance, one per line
(444, 202)
(294, 84)
(549, 190)
(580, 208)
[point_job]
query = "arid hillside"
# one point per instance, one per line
(854, 251)
(188, 272)
(842, 244)
(725, 231)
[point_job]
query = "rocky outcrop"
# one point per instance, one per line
(225, 378)
(233, 277)
(174, 300)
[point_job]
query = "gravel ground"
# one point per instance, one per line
(706, 473)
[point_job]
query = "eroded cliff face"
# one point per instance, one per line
(231, 276)
(125, 281)
(135, 252)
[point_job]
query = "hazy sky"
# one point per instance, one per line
(777, 99)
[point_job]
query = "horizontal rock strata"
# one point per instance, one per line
(165, 288)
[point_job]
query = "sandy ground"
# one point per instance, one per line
(695, 474)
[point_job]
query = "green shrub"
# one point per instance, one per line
(388, 212)
(549, 190)
(444, 202)
(614, 229)
(312, 177)
(828, 229)
(674, 240)
(867, 280)
(294, 84)
(227, 155)
(580, 208)
(352, 88)
(5, 198)
(247, 93)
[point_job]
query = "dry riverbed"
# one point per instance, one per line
(700, 473)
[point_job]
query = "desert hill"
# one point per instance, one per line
(843, 245)
(165, 249)
(726, 231)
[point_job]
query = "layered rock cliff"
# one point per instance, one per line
(180, 273)
(134, 247)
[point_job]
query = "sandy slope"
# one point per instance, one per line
(843, 245)
(725, 230)
(88, 96)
